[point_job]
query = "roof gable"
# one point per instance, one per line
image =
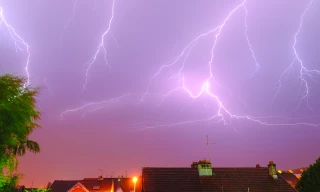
(62, 185)
(78, 187)
(97, 185)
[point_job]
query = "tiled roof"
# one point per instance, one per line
(62, 185)
(224, 179)
(290, 178)
(126, 184)
(299, 170)
(102, 185)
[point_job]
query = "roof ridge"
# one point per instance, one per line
(211, 167)
(67, 180)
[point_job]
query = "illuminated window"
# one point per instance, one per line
(96, 187)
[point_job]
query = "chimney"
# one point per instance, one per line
(204, 167)
(194, 165)
(272, 170)
(257, 165)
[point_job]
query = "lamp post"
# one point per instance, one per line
(134, 179)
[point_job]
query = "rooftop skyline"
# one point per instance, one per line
(131, 84)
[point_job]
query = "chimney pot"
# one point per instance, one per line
(204, 167)
(272, 169)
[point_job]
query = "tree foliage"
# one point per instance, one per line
(38, 190)
(8, 182)
(310, 179)
(18, 119)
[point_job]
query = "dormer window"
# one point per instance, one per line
(96, 187)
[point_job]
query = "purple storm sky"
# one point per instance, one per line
(129, 84)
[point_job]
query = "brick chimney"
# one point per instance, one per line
(204, 167)
(272, 170)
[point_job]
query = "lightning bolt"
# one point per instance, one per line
(19, 42)
(93, 106)
(250, 46)
(222, 114)
(70, 20)
(304, 73)
(48, 87)
(209, 121)
(100, 48)
(92, 110)
(205, 87)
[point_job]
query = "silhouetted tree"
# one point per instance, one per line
(310, 179)
(18, 116)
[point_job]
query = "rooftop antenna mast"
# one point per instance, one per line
(208, 147)
(101, 172)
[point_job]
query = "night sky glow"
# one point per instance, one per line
(126, 84)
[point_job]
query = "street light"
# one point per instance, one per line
(134, 179)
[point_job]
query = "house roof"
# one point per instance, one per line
(299, 170)
(126, 184)
(97, 185)
(223, 179)
(62, 185)
(290, 178)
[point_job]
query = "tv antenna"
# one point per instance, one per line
(208, 148)
(101, 172)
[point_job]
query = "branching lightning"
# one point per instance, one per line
(221, 113)
(100, 48)
(93, 106)
(304, 73)
(70, 20)
(250, 46)
(19, 42)
(205, 88)
(48, 87)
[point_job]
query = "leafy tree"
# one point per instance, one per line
(8, 182)
(310, 179)
(18, 116)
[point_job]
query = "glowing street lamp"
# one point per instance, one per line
(134, 179)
